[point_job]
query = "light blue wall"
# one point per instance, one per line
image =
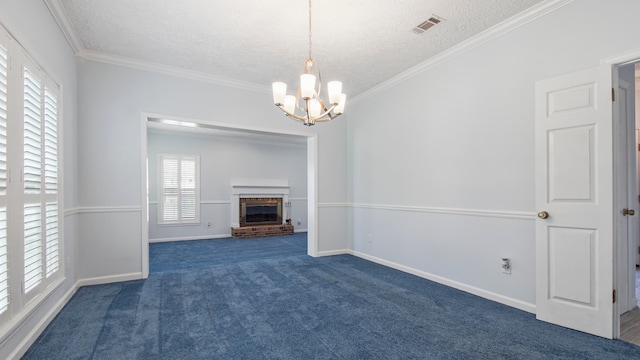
(441, 165)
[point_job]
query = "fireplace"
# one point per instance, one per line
(260, 211)
(259, 208)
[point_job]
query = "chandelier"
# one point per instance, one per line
(307, 100)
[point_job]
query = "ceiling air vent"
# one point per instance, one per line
(427, 24)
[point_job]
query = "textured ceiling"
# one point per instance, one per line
(361, 42)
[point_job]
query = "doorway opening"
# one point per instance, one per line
(309, 141)
(628, 253)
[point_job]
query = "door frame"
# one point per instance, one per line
(615, 62)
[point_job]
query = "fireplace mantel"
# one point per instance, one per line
(257, 188)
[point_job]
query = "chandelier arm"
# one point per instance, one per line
(326, 116)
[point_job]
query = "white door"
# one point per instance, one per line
(574, 197)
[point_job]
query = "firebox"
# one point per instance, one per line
(260, 211)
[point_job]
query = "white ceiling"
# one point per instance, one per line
(360, 42)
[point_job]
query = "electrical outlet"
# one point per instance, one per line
(506, 266)
(208, 224)
(299, 222)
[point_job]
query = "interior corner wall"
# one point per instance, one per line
(441, 165)
(30, 22)
(112, 100)
(223, 158)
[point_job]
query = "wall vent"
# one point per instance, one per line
(427, 24)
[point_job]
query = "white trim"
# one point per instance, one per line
(622, 59)
(216, 202)
(61, 17)
(42, 324)
(71, 212)
(300, 230)
(328, 205)
(492, 33)
(189, 238)
(171, 71)
(518, 304)
(103, 209)
(335, 252)
(517, 215)
(100, 280)
(9, 328)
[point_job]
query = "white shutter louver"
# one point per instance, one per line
(51, 243)
(170, 189)
(32, 133)
(4, 251)
(32, 246)
(4, 62)
(188, 189)
(50, 141)
(4, 266)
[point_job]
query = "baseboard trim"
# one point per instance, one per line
(187, 238)
(109, 279)
(335, 252)
(518, 304)
(28, 340)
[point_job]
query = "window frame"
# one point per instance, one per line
(178, 191)
(15, 198)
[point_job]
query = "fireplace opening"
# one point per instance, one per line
(260, 211)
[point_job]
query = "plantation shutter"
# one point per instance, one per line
(4, 270)
(170, 187)
(188, 189)
(50, 141)
(40, 178)
(179, 189)
(31, 221)
(33, 256)
(32, 134)
(51, 243)
(50, 151)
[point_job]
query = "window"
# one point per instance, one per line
(30, 220)
(179, 189)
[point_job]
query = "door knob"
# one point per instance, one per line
(543, 214)
(629, 212)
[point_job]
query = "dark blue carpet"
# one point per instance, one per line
(296, 307)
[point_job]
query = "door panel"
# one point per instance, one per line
(571, 164)
(574, 174)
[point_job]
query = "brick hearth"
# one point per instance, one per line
(261, 231)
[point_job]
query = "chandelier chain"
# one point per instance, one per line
(309, 29)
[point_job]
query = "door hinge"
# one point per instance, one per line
(614, 296)
(613, 94)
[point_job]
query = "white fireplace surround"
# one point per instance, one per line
(258, 188)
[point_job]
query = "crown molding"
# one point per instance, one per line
(61, 17)
(493, 32)
(171, 70)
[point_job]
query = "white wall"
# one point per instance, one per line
(441, 165)
(221, 159)
(31, 24)
(111, 101)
